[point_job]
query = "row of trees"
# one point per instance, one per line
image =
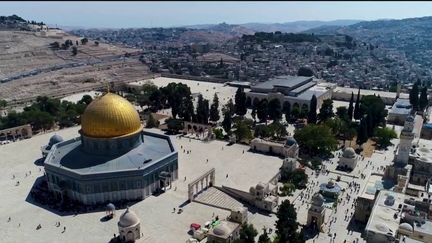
(286, 228)
(46, 112)
(418, 103)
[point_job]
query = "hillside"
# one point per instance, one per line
(29, 62)
(411, 36)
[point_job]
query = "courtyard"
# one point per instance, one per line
(158, 221)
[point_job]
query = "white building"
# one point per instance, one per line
(349, 159)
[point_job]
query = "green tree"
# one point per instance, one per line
(242, 131)
(423, 101)
(74, 50)
(375, 107)
(297, 177)
(202, 110)
(218, 133)
(229, 107)
(3, 103)
(277, 130)
(174, 125)
(384, 136)
(248, 233)
(326, 110)
(227, 122)
(351, 107)
(264, 238)
(342, 113)
(262, 110)
(274, 109)
(414, 96)
(316, 139)
(152, 122)
(305, 71)
(240, 102)
(362, 132)
(286, 224)
(357, 112)
(262, 131)
(287, 110)
(369, 125)
(84, 41)
(312, 116)
(214, 109)
(86, 99)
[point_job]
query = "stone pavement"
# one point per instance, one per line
(158, 222)
(217, 198)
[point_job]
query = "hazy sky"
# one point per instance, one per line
(166, 14)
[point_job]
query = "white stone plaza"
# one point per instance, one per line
(158, 222)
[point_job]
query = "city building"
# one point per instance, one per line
(129, 226)
(397, 216)
(296, 90)
(348, 160)
(316, 212)
(330, 189)
(113, 159)
(227, 231)
(400, 110)
(288, 149)
(55, 139)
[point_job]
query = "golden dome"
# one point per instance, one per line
(110, 116)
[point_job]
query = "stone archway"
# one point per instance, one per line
(208, 178)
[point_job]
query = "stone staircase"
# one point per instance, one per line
(214, 197)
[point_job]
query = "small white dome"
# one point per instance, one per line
(349, 153)
(128, 219)
(260, 186)
(406, 226)
(318, 199)
(221, 229)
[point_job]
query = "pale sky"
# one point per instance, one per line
(168, 14)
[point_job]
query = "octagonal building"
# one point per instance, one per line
(113, 159)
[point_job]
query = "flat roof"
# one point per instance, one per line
(401, 107)
(423, 151)
(382, 219)
(283, 81)
(375, 183)
(370, 92)
(69, 155)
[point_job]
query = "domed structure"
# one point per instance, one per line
(349, 153)
(318, 199)
(128, 219)
(129, 226)
(222, 229)
(55, 139)
(406, 226)
(110, 116)
(290, 141)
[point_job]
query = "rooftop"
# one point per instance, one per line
(69, 156)
(286, 81)
(423, 151)
(382, 219)
(401, 107)
(375, 183)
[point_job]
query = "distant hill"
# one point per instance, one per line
(413, 36)
(289, 27)
(297, 26)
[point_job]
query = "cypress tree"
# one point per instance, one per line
(414, 96)
(357, 112)
(362, 132)
(351, 107)
(214, 109)
(312, 116)
(423, 102)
